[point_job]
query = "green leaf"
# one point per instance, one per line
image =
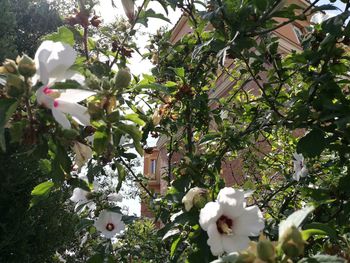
(312, 144)
(63, 34)
(174, 246)
(100, 141)
(170, 233)
(84, 223)
(180, 72)
(306, 234)
(316, 228)
(150, 13)
(322, 259)
(98, 258)
(7, 108)
(135, 135)
(43, 188)
(121, 175)
(134, 117)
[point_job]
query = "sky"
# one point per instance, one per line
(109, 13)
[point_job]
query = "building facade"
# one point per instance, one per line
(156, 162)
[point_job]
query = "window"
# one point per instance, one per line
(153, 167)
(299, 33)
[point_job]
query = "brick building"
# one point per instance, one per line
(156, 163)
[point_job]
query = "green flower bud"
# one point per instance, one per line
(195, 197)
(266, 251)
(122, 79)
(201, 199)
(95, 110)
(26, 66)
(10, 66)
(246, 257)
(292, 242)
(93, 82)
(70, 134)
(15, 86)
(106, 84)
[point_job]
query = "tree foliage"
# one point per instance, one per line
(277, 107)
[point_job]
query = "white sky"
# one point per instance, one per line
(109, 13)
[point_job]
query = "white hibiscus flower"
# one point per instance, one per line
(83, 153)
(80, 197)
(300, 169)
(229, 222)
(114, 197)
(109, 223)
(188, 199)
(320, 17)
(53, 60)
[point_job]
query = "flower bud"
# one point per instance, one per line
(122, 79)
(83, 153)
(200, 200)
(70, 134)
(10, 66)
(106, 84)
(266, 251)
(93, 82)
(195, 196)
(26, 66)
(128, 6)
(246, 257)
(156, 118)
(292, 242)
(15, 86)
(95, 110)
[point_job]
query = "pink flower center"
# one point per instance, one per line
(224, 225)
(110, 227)
(55, 103)
(47, 91)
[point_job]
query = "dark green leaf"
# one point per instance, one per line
(312, 144)
(7, 108)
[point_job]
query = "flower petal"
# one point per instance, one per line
(232, 201)
(230, 196)
(209, 214)
(215, 240)
(234, 243)
(79, 113)
(250, 223)
(73, 75)
(75, 95)
(61, 118)
(53, 59)
(79, 195)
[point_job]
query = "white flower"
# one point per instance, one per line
(156, 118)
(109, 223)
(128, 6)
(229, 222)
(293, 220)
(53, 60)
(114, 197)
(83, 153)
(187, 200)
(300, 169)
(320, 17)
(80, 197)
